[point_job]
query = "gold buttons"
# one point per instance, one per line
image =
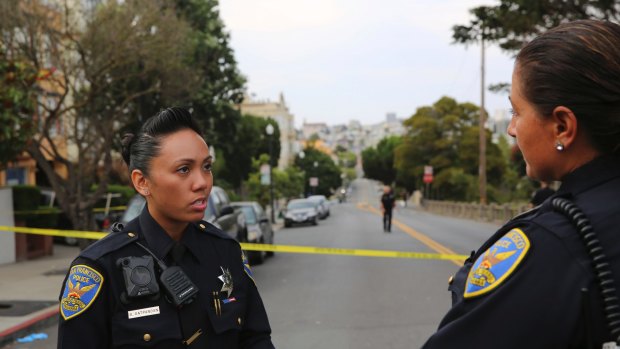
(147, 337)
(131, 235)
(451, 280)
(239, 320)
(202, 226)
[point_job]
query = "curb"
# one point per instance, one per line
(43, 319)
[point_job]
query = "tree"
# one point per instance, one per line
(17, 105)
(288, 183)
(515, 22)
(220, 84)
(445, 136)
(325, 170)
(378, 163)
(100, 63)
(250, 141)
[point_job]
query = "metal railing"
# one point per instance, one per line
(489, 213)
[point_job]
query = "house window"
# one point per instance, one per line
(15, 176)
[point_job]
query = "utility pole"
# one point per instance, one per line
(482, 158)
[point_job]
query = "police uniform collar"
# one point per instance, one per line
(593, 173)
(158, 240)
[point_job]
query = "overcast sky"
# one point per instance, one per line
(338, 60)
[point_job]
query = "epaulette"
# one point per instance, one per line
(112, 242)
(212, 230)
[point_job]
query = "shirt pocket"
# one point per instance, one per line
(146, 331)
(227, 314)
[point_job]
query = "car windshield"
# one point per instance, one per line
(300, 204)
(248, 212)
(133, 209)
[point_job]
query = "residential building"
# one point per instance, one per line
(279, 111)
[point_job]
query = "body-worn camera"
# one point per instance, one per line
(139, 275)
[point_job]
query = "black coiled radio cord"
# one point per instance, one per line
(600, 264)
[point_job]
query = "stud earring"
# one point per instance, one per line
(146, 192)
(559, 146)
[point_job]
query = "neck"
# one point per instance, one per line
(174, 229)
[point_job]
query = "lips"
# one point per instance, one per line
(200, 204)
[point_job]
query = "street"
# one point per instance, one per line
(318, 301)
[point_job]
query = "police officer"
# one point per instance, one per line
(166, 279)
(387, 206)
(534, 283)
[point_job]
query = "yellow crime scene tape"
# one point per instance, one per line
(57, 210)
(262, 247)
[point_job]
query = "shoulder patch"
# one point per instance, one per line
(80, 291)
(246, 266)
(497, 263)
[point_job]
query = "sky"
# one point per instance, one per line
(342, 60)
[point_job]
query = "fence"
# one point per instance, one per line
(489, 213)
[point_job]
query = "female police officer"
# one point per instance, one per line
(534, 283)
(166, 279)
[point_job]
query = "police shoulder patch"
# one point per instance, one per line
(246, 266)
(80, 291)
(497, 263)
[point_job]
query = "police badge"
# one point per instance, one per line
(227, 279)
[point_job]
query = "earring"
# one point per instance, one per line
(146, 192)
(559, 146)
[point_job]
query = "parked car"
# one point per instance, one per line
(219, 212)
(259, 228)
(299, 211)
(323, 205)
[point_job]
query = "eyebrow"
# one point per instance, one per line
(208, 158)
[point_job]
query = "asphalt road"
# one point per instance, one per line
(318, 301)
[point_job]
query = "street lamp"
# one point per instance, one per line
(269, 129)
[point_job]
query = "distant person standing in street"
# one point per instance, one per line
(541, 194)
(387, 205)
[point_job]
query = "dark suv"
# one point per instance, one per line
(219, 212)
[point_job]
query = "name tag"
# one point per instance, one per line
(143, 312)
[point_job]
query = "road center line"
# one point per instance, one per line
(430, 243)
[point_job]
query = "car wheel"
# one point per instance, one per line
(257, 257)
(287, 224)
(270, 253)
(315, 221)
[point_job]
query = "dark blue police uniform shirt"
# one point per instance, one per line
(539, 303)
(95, 317)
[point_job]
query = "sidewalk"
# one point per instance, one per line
(29, 292)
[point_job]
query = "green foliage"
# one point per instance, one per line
(514, 22)
(220, 84)
(288, 183)
(346, 159)
(25, 197)
(116, 66)
(445, 136)
(26, 200)
(378, 163)
(251, 141)
(325, 170)
(16, 106)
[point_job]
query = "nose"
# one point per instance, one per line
(201, 180)
(511, 128)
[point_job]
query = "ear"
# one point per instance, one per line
(565, 125)
(140, 182)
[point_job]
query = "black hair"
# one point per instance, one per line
(138, 150)
(577, 65)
